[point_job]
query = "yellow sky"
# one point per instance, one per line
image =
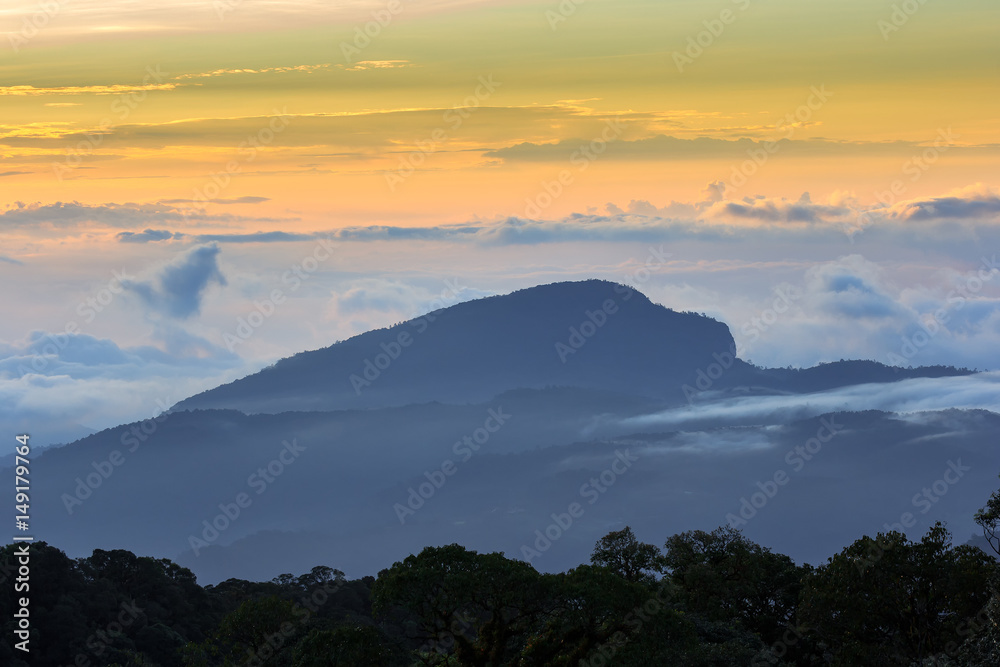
(454, 111)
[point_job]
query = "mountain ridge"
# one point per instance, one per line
(591, 334)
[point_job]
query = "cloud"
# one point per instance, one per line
(379, 295)
(974, 202)
(850, 308)
(839, 219)
(667, 147)
(852, 287)
(369, 303)
(263, 70)
(10, 260)
(237, 200)
(979, 391)
(178, 288)
(85, 357)
(256, 237)
(500, 130)
(116, 89)
(377, 64)
(147, 235)
(60, 387)
(964, 219)
(13, 173)
(74, 215)
(777, 210)
(155, 235)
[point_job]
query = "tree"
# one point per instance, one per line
(726, 577)
(260, 631)
(318, 576)
(592, 611)
(982, 648)
(478, 608)
(626, 556)
(889, 601)
(346, 646)
(988, 518)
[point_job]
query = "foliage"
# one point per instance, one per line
(626, 556)
(722, 600)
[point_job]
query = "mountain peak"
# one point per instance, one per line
(591, 334)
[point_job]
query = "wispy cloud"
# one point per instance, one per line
(236, 200)
(714, 218)
(377, 64)
(116, 89)
(177, 289)
(147, 235)
(72, 215)
(262, 70)
(667, 147)
(980, 391)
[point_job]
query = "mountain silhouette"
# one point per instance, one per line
(592, 334)
(480, 422)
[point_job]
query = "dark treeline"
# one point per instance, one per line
(704, 599)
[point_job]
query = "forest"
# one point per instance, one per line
(703, 599)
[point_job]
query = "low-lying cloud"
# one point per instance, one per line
(980, 391)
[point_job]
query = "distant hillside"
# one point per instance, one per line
(593, 335)
(478, 423)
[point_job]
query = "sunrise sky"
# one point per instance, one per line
(175, 163)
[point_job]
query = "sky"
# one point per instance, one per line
(192, 191)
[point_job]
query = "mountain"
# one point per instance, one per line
(591, 335)
(487, 421)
